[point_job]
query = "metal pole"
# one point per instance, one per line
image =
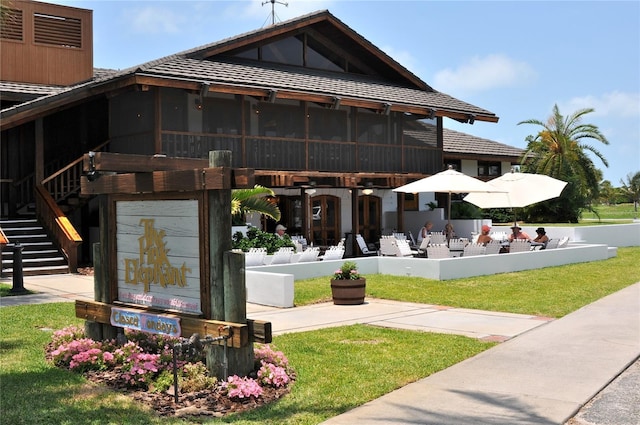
(18, 279)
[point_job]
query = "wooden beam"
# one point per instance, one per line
(101, 313)
(158, 181)
(127, 163)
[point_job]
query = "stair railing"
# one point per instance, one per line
(54, 188)
(58, 226)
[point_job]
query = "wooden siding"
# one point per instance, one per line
(49, 50)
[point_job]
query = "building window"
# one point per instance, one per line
(489, 169)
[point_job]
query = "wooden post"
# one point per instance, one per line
(102, 275)
(240, 360)
(219, 243)
(91, 328)
(219, 235)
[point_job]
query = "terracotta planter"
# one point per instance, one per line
(348, 291)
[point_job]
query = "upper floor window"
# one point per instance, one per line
(491, 169)
(57, 30)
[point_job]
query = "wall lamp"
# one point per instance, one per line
(368, 190)
(336, 102)
(204, 90)
(432, 114)
(387, 109)
(92, 174)
(472, 119)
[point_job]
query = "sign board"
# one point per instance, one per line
(146, 322)
(158, 254)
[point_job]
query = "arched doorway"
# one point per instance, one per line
(370, 210)
(325, 220)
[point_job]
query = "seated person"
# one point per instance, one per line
(280, 229)
(541, 238)
(449, 232)
(424, 232)
(517, 233)
(484, 237)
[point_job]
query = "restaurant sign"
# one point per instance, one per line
(158, 254)
(145, 322)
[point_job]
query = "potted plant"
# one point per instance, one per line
(347, 285)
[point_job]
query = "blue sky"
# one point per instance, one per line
(514, 58)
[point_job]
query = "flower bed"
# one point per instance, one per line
(143, 369)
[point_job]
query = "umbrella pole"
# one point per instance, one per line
(448, 232)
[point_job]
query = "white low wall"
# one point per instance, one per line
(273, 285)
(620, 235)
(274, 289)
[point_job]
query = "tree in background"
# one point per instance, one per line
(632, 189)
(559, 150)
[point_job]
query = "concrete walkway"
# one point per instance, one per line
(543, 372)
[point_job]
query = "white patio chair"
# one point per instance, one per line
(563, 242)
(438, 238)
(403, 249)
(493, 247)
(422, 249)
(552, 243)
(310, 254)
(254, 257)
(387, 245)
(282, 256)
(519, 245)
(473, 249)
(333, 253)
(438, 251)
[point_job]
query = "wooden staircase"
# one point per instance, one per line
(39, 254)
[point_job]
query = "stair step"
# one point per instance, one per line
(34, 271)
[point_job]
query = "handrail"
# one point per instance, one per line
(66, 180)
(59, 226)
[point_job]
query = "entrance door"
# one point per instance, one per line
(325, 220)
(370, 210)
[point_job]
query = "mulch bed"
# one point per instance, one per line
(210, 402)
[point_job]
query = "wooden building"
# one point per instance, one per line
(324, 117)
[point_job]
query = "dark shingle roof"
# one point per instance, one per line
(270, 76)
(456, 142)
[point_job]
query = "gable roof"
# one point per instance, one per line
(211, 64)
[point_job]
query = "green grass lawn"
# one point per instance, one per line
(338, 368)
(625, 212)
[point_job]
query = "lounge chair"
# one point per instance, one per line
(552, 243)
(422, 249)
(364, 248)
(387, 245)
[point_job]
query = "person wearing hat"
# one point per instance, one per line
(541, 238)
(280, 229)
(484, 237)
(517, 233)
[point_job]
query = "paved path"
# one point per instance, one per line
(543, 372)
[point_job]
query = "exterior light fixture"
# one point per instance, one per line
(387, 109)
(272, 96)
(336, 102)
(368, 190)
(472, 119)
(92, 174)
(310, 191)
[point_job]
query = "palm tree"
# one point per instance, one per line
(632, 188)
(244, 201)
(559, 150)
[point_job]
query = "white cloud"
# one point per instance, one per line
(154, 20)
(481, 74)
(614, 104)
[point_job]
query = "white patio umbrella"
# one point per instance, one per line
(448, 181)
(518, 190)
